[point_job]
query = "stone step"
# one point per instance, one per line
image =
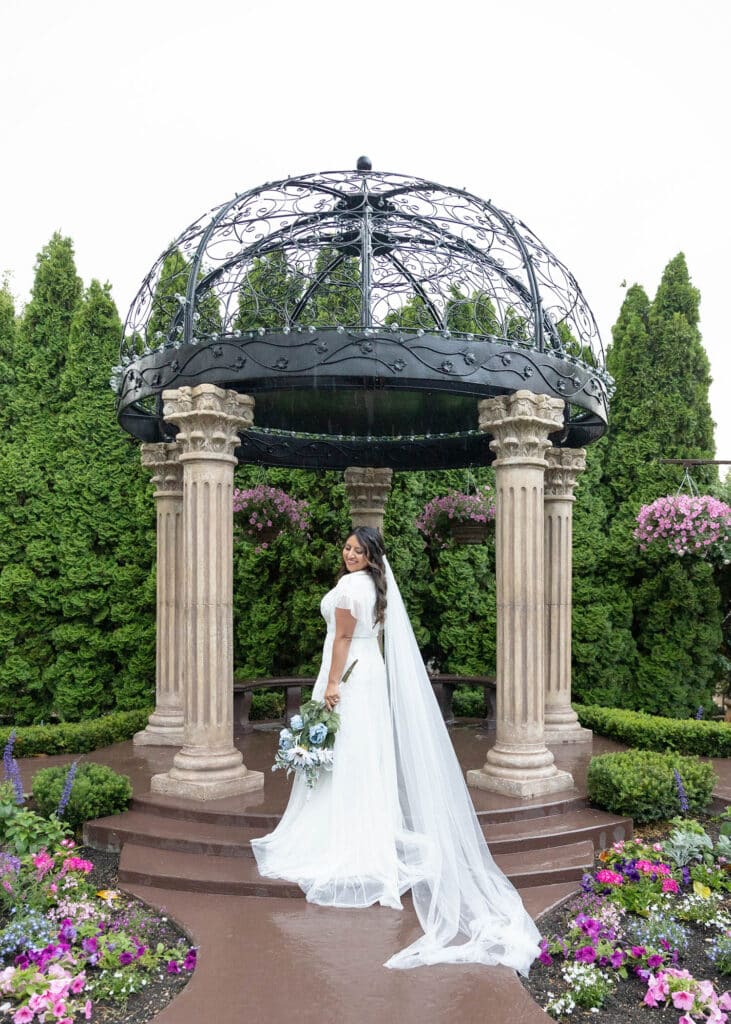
(204, 837)
(163, 833)
(235, 811)
(237, 874)
(215, 812)
(600, 828)
(194, 872)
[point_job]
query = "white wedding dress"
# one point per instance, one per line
(394, 813)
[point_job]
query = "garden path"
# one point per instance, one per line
(270, 959)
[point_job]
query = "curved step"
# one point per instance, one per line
(185, 869)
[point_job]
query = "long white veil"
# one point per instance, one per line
(468, 909)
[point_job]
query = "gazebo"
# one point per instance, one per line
(366, 322)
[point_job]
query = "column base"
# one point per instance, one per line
(164, 729)
(199, 773)
(567, 734)
(151, 736)
(206, 787)
(525, 787)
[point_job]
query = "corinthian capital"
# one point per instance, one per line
(210, 419)
(162, 462)
(564, 466)
(520, 424)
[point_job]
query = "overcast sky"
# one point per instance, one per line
(603, 126)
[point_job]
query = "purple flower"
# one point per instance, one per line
(11, 770)
(585, 954)
(617, 958)
(125, 958)
(191, 959)
(173, 967)
(682, 795)
(655, 961)
(699, 713)
(66, 792)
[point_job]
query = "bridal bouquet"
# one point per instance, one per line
(307, 745)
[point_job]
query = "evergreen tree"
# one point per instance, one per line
(28, 550)
(103, 517)
(660, 411)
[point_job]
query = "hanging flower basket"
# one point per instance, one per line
(263, 514)
(686, 525)
(458, 517)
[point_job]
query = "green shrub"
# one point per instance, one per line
(642, 784)
(651, 732)
(97, 792)
(76, 737)
(468, 702)
(266, 704)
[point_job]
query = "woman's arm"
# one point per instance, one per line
(344, 627)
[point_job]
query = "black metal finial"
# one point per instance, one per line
(364, 164)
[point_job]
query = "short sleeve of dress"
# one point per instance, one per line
(356, 595)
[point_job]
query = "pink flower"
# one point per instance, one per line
(23, 1016)
(670, 885)
(87, 1009)
(683, 1000)
(77, 985)
(608, 877)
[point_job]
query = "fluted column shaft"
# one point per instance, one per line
(368, 490)
(520, 763)
(561, 721)
(209, 419)
(165, 725)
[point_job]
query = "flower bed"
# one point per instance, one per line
(649, 938)
(70, 951)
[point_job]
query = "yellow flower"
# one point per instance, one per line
(108, 894)
(701, 890)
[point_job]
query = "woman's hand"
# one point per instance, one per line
(332, 696)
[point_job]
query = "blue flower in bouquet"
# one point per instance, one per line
(296, 722)
(286, 739)
(318, 733)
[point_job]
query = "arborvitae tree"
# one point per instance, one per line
(269, 294)
(7, 357)
(28, 550)
(660, 411)
(103, 524)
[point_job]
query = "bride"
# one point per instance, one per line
(394, 813)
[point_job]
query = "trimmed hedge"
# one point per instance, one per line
(75, 737)
(642, 785)
(651, 732)
(97, 792)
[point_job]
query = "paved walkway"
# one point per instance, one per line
(272, 960)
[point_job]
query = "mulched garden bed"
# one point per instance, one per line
(625, 1004)
(161, 989)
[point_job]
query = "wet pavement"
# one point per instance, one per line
(277, 959)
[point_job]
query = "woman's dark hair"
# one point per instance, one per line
(372, 543)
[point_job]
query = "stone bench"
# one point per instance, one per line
(443, 685)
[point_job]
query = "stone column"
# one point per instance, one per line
(564, 466)
(520, 764)
(367, 489)
(208, 766)
(165, 725)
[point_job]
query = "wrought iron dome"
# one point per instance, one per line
(365, 312)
